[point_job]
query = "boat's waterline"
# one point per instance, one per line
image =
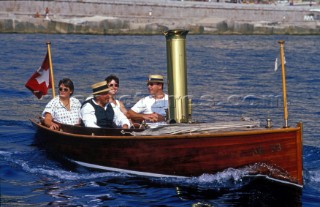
(156, 175)
(133, 172)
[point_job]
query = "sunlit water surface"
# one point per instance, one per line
(229, 77)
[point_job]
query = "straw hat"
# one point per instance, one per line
(155, 79)
(100, 87)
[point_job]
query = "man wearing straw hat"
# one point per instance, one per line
(152, 108)
(98, 112)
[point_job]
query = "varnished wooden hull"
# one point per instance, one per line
(186, 155)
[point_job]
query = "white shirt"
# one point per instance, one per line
(61, 114)
(87, 114)
(116, 105)
(149, 105)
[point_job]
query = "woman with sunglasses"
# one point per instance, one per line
(63, 108)
(113, 82)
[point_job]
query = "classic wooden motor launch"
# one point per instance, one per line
(182, 149)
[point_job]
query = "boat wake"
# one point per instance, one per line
(228, 179)
(61, 182)
(225, 179)
(53, 169)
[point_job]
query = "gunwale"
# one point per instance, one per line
(252, 131)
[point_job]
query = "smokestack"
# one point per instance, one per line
(179, 106)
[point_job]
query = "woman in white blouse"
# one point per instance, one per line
(63, 108)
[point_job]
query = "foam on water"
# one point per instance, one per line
(229, 178)
(51, 168)
(314, 176)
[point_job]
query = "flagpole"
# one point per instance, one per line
(284, 89)
(51, 70)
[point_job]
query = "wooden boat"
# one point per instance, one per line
(184, 148)
(272, 152)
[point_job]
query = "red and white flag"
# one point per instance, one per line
(40, 81)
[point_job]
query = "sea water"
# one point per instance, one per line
(229, 78)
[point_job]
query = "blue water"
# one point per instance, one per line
(229, 77)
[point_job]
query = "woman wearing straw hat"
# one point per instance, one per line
(97, 112)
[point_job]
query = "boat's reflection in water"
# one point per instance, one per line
(257, 192)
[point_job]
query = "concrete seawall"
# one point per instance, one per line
(154, 17)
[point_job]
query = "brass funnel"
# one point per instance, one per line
(177, 76)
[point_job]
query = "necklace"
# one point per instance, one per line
(65, 105)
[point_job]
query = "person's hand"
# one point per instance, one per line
(54, 126)
(125, 126)
(149, 117)
(154, 117)
(161, 118)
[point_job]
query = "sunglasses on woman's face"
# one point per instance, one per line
(64, 89)
(114, 85)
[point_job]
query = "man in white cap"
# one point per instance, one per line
(153, 107)
(97, 111)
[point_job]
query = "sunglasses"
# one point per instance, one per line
(64, 89)
(151, 84)
(113, 85)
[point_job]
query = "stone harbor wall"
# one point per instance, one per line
(155, 16)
